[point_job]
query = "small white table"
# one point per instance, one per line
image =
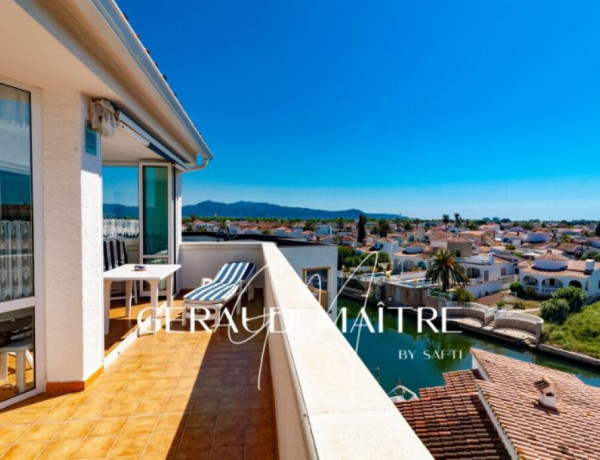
(153, 274)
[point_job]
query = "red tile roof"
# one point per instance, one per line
(574, 269)
(570, 431)
(470, 415)
(452, 421)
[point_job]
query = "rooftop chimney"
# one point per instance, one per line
(589, 266)
(547, 391)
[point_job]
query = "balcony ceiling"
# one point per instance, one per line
(123, 148)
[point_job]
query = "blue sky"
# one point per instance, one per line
(413, 107)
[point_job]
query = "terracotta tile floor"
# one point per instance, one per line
(177, 395)
(121, 325)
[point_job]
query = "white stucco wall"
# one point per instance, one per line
(202, 260)
(328, 404)
(316, 256)
(72, 190)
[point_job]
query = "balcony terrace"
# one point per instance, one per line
(184, 395)
(194, 394)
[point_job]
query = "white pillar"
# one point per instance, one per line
(72, 190)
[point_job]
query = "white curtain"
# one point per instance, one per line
(16, 259)
(121, 228)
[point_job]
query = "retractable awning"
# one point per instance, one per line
(126, 124)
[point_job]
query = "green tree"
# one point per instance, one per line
(344, 254)
(445, 270)
(417, 222)
(384, 227)
(555, 310)
(361, 228)
(573, 295)
(446, 219)
(598, 229)
(408, 226)
(309, 225)
(340, 224)
(565, 239)
(462, 295)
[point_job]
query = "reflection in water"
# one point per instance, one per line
(381, 350)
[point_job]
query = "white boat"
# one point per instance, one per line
(402, 393)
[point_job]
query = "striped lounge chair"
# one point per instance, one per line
(215, 293)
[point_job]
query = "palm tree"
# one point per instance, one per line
(446, 220)
(457, 219)
(445, 270)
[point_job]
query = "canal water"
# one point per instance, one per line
(380, 352)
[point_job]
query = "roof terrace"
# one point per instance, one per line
(194, 394)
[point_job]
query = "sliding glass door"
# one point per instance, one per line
(156, 212)
(17, 302)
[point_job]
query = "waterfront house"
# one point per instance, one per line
(551, 271)
(79, 93)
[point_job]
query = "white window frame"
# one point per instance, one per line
(37, 301)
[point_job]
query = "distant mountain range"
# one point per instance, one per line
(242, 209)
(119, 211)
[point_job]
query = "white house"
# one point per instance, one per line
(514, 238)
(412, 257)
(538, 237)
(324, 230)
(550, 271)
(386, 245)
(79, 93)
(285, 232)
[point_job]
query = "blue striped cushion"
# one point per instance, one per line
(212, 293)
(224, 285)
(234, 272)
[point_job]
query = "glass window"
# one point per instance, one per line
(316, 277)
(16, 211)
(120, 201)
(16, 243)
(156, 210)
